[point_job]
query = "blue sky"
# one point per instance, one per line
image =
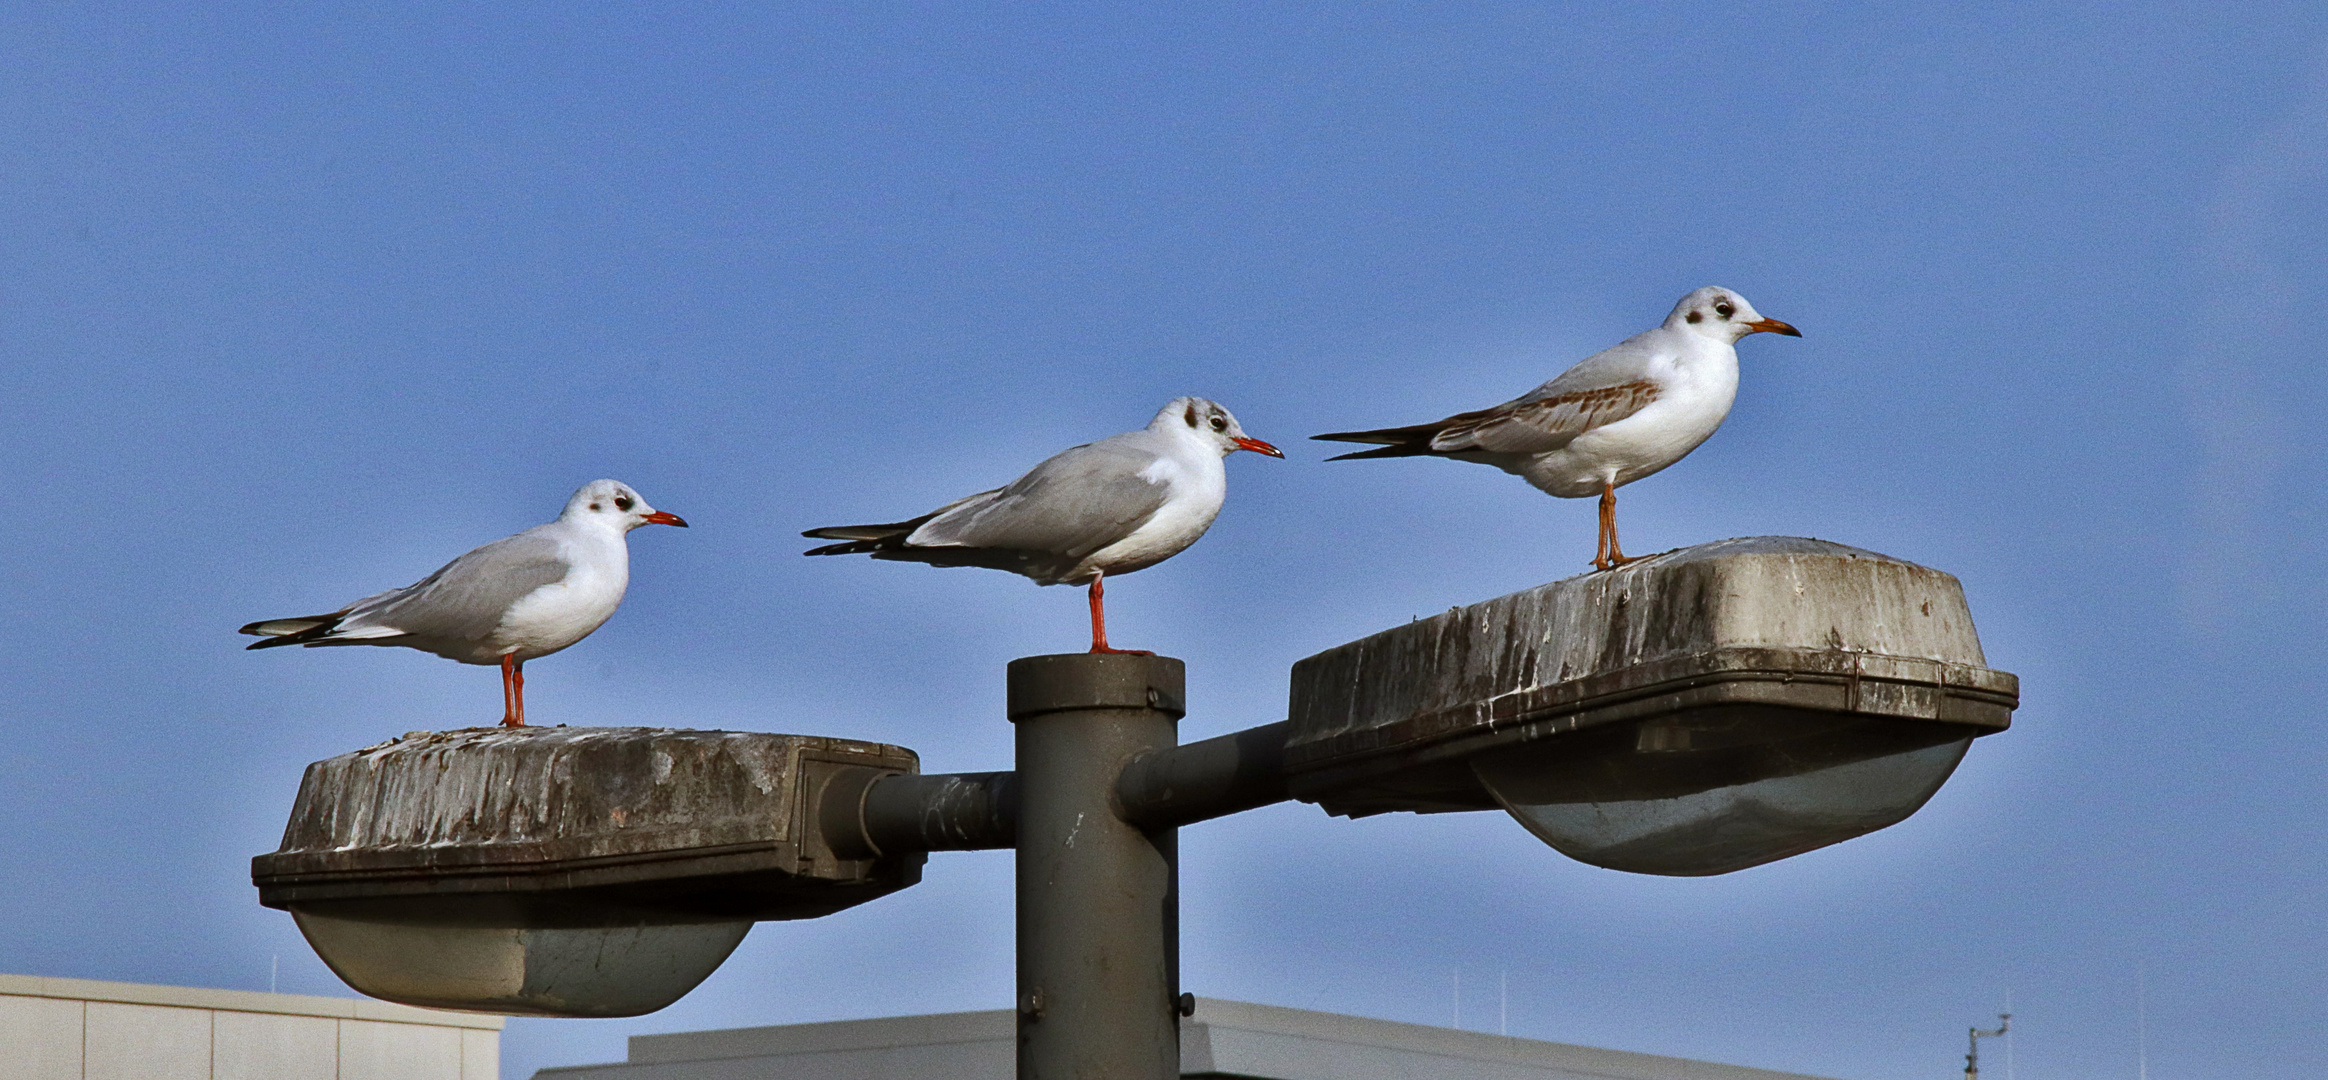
(297, 304)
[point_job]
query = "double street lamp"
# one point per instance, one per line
(1696, 713)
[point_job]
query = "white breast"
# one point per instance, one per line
(1195, 485)
(1695, 390)
(564, 612)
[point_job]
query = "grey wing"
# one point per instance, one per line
(1602, 389)
(467, 597)
(1075, 503)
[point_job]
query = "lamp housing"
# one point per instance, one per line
(1695, 712)
(566, 871)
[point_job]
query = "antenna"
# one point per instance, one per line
(2142, 1018)
(2009, 1039)
(1972, 1057)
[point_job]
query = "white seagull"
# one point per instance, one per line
(1617, 416)
(1110, 507)
(508, 602)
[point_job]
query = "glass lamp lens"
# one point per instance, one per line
(1719, 791)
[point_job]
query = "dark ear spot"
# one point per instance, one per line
(1696, 317)
(1190, 416)
(594, 506)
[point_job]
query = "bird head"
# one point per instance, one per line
(1208, 422)
(1723, 315)
(613, 503)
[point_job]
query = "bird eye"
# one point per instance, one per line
(1724, 310)
(622, 502)
(1220, 424)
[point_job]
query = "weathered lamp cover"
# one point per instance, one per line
(1698, 712)
(566, 871)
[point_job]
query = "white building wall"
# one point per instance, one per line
(1223, 1039)
(76, 1029)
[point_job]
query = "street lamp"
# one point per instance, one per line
(1695, 713)
(564, 871)
(1720, 707)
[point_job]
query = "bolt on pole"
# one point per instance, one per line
(1098, 898)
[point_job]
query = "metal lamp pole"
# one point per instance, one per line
(1098, 897)
(1093, 809)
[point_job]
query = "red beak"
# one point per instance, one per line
(661, 518)
(1258, 447)
(1773, 326)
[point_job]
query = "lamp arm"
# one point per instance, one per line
(1214, 778)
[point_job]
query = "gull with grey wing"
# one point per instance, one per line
(1617, 416)
(511, 601)
(1111, 507)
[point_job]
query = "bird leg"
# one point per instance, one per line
(1607, 555)
(512, 691)
(1600, 532)
(1099, 622)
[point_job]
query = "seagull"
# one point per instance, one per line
(1617, 416)
(508, 602)
(1121, 504)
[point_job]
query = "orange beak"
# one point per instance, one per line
(661, 518)
(1773, 326)
(1258, 447)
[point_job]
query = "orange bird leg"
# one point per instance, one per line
(1608, 513)
(1099, 622)
(1600, 533)
(512, 691)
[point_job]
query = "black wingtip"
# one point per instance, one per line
(862, 539)
(855, 532)
(317, 628)
(1383, 452)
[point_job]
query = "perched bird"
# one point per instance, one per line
(508, 602)
(1617, 416)
(1110, 507)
